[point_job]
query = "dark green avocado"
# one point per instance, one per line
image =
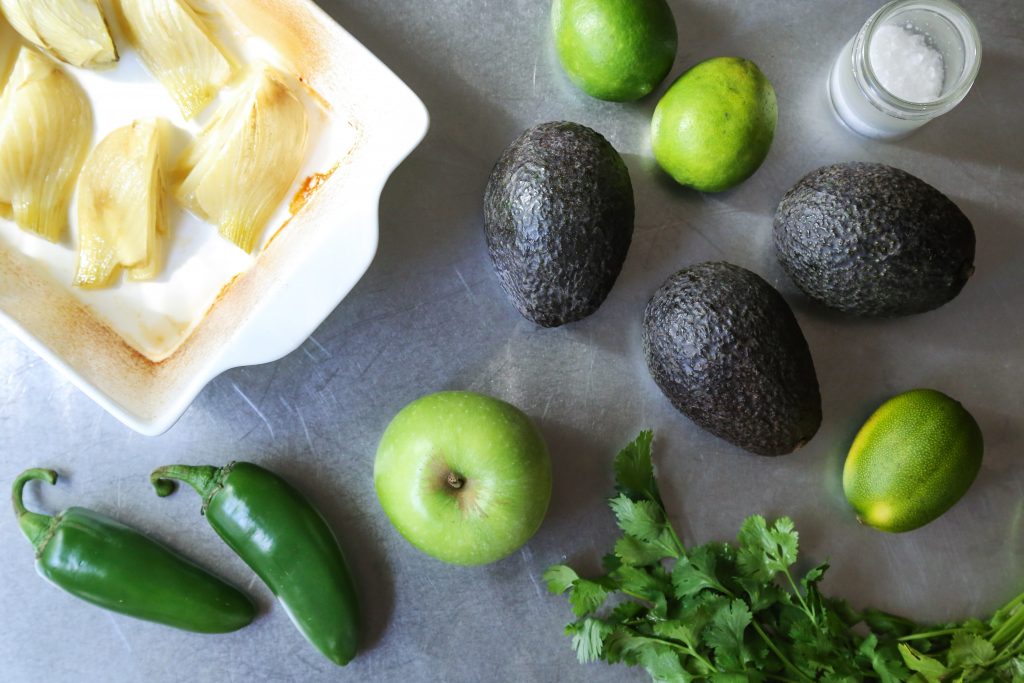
(873, 240)
(558, 216)
(725, 348)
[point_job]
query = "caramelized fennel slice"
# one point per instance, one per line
(178, 48)
(241, 165)
(45, 133)
(120, 208)
(74, 31)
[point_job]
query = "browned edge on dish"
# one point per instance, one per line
(51, 314)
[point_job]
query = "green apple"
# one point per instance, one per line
(465, 478)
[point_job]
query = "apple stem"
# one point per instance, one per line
(455, 480)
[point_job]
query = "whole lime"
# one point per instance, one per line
(616, 50)
(912, 460)
(713, 127)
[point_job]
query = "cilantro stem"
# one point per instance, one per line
(930, 634)
(1019, 637)
(1015, 646)
(1013, 624)
(1011, 606)
(642, 598)
(687, 649)
(782, 658)
(796, 591)
(1000, 659)
(680, 548)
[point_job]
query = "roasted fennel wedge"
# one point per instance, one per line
(45, 133)
(74, 31)
(178, 47)
(241, 165)
(121, 208)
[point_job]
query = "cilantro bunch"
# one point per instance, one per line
(735, 613)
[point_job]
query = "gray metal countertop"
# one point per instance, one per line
(430, 315)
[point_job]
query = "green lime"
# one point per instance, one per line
(912, 460)
(713, 127)
(615, 50)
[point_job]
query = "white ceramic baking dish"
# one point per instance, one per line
(308, 264)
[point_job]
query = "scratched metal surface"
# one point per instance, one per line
(430, 315)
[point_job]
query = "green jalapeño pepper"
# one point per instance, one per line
(102, 561)
(283, 538)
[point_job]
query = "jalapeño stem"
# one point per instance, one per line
(202, 478)
(33, 524)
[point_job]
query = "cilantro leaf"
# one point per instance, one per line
(634, 470)
(696, 612)
(683, 635)
(696, 572)
(883, 663)
(968, 649)
(762, 595)
(813, 602)
(885, 624)
(610, 562)
(587, 596)
(663, 665)
(832, 677)
(559, 578)
(841, 610)
(625, 612)
(677, 631)
(932, 670)
(659, 659)
(814, 575)
(765, 551)
(812, 645)
(727, 677)
(974, 626)
(725, 635)
(641, 583)
(659, 610)
(1015, 669)
(643, 519)
(588, 638)
(638, 553)
(625, 645)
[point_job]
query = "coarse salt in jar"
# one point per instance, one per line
(912, 61)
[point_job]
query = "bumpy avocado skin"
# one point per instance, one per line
(872, 240)
(558, 217)
(725, 348)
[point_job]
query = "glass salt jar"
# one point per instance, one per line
(912, 61)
